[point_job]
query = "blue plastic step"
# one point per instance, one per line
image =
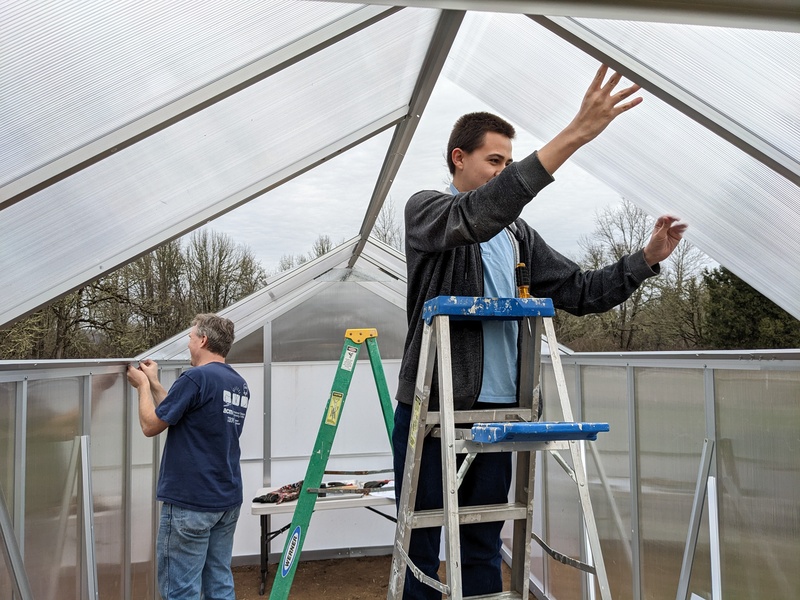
(471, 307)
(543, 431)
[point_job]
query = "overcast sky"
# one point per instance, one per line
(332, 198)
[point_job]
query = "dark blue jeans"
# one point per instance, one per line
(487, 482)
(194, 552)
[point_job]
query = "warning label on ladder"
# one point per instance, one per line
(334, 408)
(349, 358)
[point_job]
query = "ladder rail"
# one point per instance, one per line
(496, 435)
(578, 468)
(449, 485)
(331, 417)
(408, 495)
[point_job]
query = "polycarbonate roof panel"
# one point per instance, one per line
(752, 76)
(740, 212)
(73, 71)
(181, 176)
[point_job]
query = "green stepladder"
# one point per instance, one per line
(354, 339)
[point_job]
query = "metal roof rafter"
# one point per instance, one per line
(190, 104)
(674, 95)
(438, 50)
(771, 15)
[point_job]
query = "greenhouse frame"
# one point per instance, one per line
(184, 113)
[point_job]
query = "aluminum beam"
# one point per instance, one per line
(774, 15)
(50, 291)
(12, 555)
(439, 48)
(190, 104)
(679, 98)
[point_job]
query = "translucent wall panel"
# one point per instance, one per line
(182, 176)
(314, 330)
(741, 213)
(108, 481)
(8, 413)
(73, 71)
(7, 440)
(670, 432)
(52, 473)
(249, 349)
(562, 505)
(759, 482)
(604, 396)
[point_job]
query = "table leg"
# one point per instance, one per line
(264, 552)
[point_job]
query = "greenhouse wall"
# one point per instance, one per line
(643, 473)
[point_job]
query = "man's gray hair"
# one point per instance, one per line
(218, 330)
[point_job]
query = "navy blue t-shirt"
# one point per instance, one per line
(205, 409)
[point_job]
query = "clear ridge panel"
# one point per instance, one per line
(314, 330)
(52, 483)
(75, 71)
(108, 481)
(670, 418)
(137, 198)
(758, 482)
(604, 397)
(741, 213)
(562, 505)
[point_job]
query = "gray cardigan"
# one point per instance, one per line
(443, 258)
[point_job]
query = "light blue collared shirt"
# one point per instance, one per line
(499, 337)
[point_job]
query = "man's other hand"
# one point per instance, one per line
(667, 233)
(136, 377)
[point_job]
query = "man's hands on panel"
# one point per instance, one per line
(599, 107)
(136, 377)
(146, 374)
(667, 233)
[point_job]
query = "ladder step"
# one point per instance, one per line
(492, 433)
(511, 415)
(471, 514)
(487, 309)
(497, 596)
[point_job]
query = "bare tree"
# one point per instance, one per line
(219, 271)
(139, 305)
(387, 228)
(665, 312)
(620, 231)
(322, 245)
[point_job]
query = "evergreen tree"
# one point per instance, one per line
(738, 317)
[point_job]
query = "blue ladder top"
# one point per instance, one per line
(472, 307)
(543, 431)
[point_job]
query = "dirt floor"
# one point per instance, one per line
(364, 578)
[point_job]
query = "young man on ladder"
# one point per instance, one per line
(467, 242)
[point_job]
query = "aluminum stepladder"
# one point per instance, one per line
(506, 430)
(354, 339)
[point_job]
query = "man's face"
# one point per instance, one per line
(195, 344)
(484, 163)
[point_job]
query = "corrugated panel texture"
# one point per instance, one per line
(741, 213)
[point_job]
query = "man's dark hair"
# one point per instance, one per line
(218, 330)
(470, 130)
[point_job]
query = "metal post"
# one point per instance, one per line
(633, 453)
(88, 518)
(12, 555)
(694, 521)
